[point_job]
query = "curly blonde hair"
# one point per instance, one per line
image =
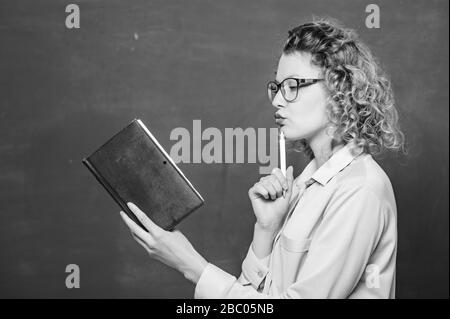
(361, 102)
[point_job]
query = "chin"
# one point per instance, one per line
(290, 135)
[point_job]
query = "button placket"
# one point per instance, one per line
(302, 190)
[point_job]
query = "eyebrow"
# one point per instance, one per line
(289, 76)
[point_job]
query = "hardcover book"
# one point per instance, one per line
(133, 167)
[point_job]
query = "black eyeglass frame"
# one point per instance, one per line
(300, 83)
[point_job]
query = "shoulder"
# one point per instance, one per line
(365, 175)
(363, 190)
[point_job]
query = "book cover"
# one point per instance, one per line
(133, 167)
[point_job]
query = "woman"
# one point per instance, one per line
(332, 231)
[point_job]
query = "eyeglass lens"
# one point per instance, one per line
(289, 89)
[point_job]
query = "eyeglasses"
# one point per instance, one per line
(289, 87)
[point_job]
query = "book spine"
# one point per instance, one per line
(112, 192)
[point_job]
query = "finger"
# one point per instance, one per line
(258, 189)
(269, 187)
(143, 218)
(135, 228)
(290, 181)
(147, 245)
(283, 181)
(276, 184)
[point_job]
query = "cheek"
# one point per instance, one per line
(310, 113)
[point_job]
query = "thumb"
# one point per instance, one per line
(290, 180)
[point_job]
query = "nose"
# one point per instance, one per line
(278, 101)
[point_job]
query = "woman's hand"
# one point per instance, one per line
(171, 248)
(269, 204)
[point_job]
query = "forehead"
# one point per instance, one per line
(296, 65)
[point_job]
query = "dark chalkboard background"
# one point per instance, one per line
(64, 92)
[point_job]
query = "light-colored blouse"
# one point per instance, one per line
(339, 238)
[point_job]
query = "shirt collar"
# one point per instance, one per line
(336, 163)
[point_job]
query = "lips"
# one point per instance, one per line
(279, 119)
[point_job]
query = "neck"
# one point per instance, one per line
(323, 147)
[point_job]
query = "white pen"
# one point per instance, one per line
(282, 150)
